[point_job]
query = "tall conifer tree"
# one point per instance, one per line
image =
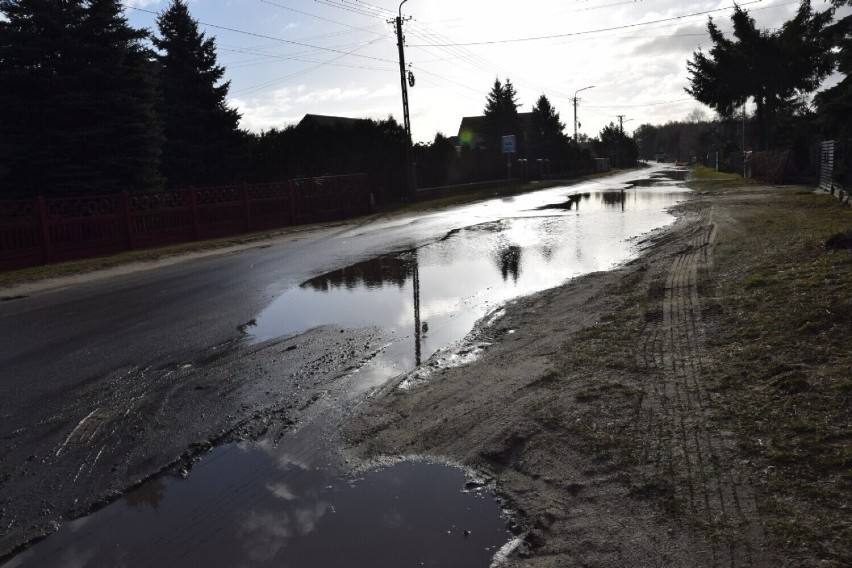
(771, 67)
(76, 107)
(202, 134)
(548, 138)
(118, 135)
(501, 113)
(34, 74)
(835, 103)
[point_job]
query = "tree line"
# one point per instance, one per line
(91, 105)
(776, 70)
(539, 136)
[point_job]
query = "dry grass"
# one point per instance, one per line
(777, 305)
(783, 339)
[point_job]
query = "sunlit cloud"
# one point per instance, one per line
(264, 534)
(281, 491)
(332, 94)
(141, 3)
(629, 64)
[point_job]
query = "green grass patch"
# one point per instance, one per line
(785, 336)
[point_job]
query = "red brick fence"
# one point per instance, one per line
(39, 231)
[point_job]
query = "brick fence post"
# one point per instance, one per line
(313, 201)
(292, 195)
(41, 206)
(247, 206)
(193, 208)
(128, 219)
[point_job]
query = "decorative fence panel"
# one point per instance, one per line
(39, 231)
(835, 173)
(826, 165)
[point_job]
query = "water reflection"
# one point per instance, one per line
(457, 279)
(613, 198)
(509, 261)
(252, 505)
(370, 274)
(572, 202)
(148, 495)
(257, 505)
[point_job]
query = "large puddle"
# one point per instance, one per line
(429, 298)
(249, 505)
(265, 504)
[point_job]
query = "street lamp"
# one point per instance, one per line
(575, 110)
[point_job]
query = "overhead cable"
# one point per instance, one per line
(586, 32)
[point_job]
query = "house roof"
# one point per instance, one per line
(473, 129)
(325, 120)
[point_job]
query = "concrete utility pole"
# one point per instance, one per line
(575, 111)
(410, 181)
(744, 128)
(400, 42)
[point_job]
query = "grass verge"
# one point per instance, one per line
(777, 309)
(784, 332)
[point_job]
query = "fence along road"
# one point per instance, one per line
(38, 231)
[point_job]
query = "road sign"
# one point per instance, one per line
(508, 144)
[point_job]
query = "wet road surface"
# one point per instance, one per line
(111, 381)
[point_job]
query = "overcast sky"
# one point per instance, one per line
(286, 58)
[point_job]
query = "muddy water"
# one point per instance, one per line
(410, 514)
(429, 298)
(281, 503)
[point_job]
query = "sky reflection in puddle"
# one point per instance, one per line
(429, 298)
(248, 505)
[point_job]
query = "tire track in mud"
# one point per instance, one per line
(89, 446)
(676, 410)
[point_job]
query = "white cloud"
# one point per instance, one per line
(389, 90)
(332, 94)
(281, 490)
(141, 3)
(630, 65)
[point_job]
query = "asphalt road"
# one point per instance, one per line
(108, 381)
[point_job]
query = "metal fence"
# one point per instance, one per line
(835, 168)
(39, 231)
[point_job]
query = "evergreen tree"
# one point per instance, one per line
(77, 100)
(772, 68)
(35, 41)
(614, 144)
(118, 138)
(501, 114)
(202, 135)
(835, 103)
(548, 137)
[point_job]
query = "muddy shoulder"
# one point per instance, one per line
(605, 416)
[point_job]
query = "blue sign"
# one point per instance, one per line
(508, 144)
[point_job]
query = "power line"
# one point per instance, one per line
(261, 86)
(704, 34)
(346, 8)
(281, 6)
(279, 39)
(586, 32)
(472, 58)
(270, 57)
(602, 6)
(641, 105)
